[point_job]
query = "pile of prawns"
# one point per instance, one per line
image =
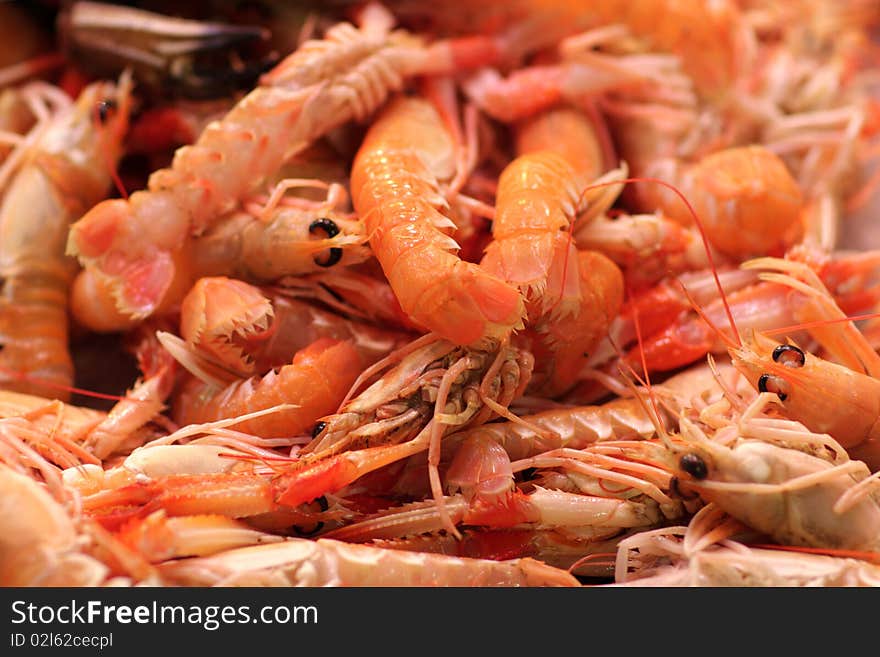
(546, 294)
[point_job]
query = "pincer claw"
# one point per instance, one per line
(192, 58)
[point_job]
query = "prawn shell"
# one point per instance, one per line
(316, 381)
(748, 200)
(800, 515)
(824, 396)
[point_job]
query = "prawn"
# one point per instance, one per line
(647, 247)
(786, 493)
(325, 562)
(571, 297)
(705, 554)
(246, 330)
(316, 380)
(434, 385)
(66, 170)
(41, 544)
(797, 376)
(563, 491)
(395, 189)
(764, 305)
(746, 197)
(290, 242)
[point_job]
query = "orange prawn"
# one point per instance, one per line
(395, 190)
(647, 247)
(571, 297)
(757, 305)
(65, 171)
(231, 328)
(749, 202)
(316, 381)
(840, 398)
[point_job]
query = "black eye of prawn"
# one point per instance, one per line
(331, 230)
(789, 355)
(323, 504)
(103, 108)
(694, 465)
(770, 383)
(318, 428)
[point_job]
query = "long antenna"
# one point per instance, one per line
(700, 226)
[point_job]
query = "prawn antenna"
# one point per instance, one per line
(872, 557)
(597, 558)
(653, 410)
(29, 378)
(821, 322)
(697, 221)
(730, 342)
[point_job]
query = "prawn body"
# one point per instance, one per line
(67, 171)
(316, 380)
(746, 197)
(395, 191)
(571, 296)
